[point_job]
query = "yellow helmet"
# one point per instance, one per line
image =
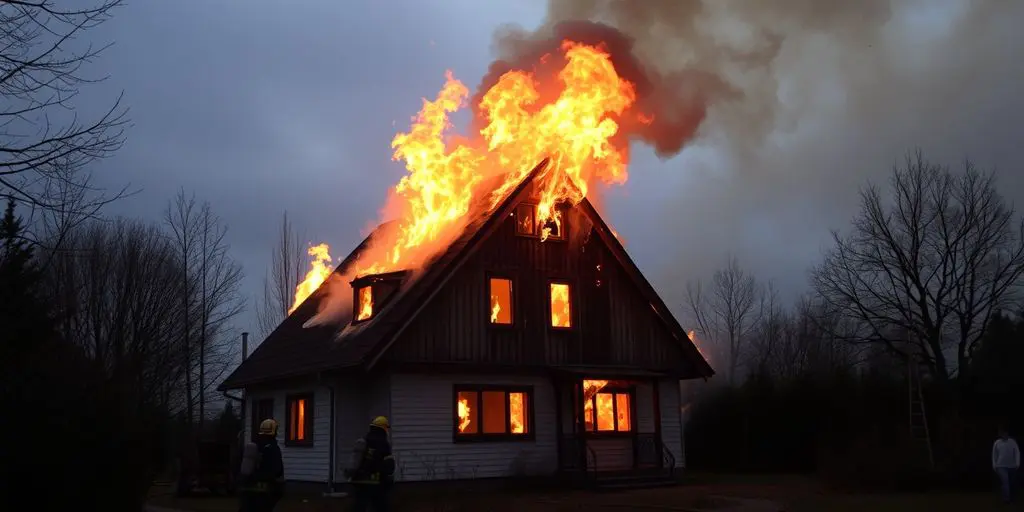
(268, 427)
(381, 422)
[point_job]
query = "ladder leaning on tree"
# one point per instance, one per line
(918, 420)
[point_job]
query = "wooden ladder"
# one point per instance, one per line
(918, 420)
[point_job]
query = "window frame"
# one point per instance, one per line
(254, 415)
(356, 287)
(508, 436)
(563, 234)
(513, 300)
(630, 391)
(309, 419)
(573, 313)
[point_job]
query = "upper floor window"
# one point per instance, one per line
(528, 223)
(561, 305)
(364, 303)
(501, 300)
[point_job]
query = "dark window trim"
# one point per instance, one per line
(479, 389)
(310, 415)
(563, 234)
(514, 299)
(573, 309)
(369, 281)
(515, 220)
(254, 415)
(620, 390)
(355, 302)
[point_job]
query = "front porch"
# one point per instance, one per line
(610, 428)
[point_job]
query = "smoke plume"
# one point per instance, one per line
(788, 107)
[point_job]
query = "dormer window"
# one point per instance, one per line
(370, 293)
(528, 223)
(364, 303)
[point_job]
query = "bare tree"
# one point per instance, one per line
(923, 271)
(116, 288)
(288, 263)
(209, 294)
(44, 147)
(728, 314)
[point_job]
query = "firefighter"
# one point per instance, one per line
(263, 475)
(373, 469)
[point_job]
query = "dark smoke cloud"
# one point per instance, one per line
(792, 105)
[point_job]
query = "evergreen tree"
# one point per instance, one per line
(24, 313)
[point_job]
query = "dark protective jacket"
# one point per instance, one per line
(377, 465)
(269, 472)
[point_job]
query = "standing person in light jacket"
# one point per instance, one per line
(1005, 463)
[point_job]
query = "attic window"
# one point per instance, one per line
(527, 223)
(364, 303)
(501, 300)
(561, 305)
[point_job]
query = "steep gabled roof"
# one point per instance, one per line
(294, 351)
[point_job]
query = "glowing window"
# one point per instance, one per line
(561, 305)
(299, 420)
(526, 223)
(490, 413)
(606, 410)
(364, 303)
(501, 301)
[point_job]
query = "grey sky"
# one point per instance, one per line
(261, 108)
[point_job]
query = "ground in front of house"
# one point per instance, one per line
(710, 493)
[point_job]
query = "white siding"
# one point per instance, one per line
(644, 408)
(302, 463)
(671, 423)
(421, 431)
(613, 453)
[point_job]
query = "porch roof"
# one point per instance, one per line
(610, 372)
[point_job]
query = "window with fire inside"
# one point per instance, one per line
(607, 406)
(493, 413)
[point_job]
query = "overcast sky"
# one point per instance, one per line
(262, 107)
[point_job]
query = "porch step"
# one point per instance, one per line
(633, 481)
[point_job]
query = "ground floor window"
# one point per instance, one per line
(298, 430)
(262, 409)
(492, 412)
(607, 406)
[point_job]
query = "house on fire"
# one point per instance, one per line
(506, 356)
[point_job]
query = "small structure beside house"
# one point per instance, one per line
(505, 356)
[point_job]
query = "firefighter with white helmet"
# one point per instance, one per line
(262, 470)
(372, 468)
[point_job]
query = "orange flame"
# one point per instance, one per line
(464, 411)
(572, 117)
(693, 339)
(320, 268)
(517, 412)
(561, 311)
(365, 303)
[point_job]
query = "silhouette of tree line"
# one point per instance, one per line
(922, 290)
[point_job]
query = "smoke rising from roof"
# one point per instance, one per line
(789, 107)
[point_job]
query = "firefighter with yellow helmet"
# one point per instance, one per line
(372, 468)
(262, 471)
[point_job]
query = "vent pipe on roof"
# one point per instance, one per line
(245, 345)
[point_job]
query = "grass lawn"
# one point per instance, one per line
(701, 493)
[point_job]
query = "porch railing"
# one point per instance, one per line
(573, 459)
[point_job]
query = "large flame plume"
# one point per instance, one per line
(573, 105)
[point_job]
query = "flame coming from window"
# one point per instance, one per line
(561, 310)
(320, 268)
(573, 116)
(464, 411)
(590, 388)
(517, 412)
(365, 303)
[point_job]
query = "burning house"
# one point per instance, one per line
(525, 341)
